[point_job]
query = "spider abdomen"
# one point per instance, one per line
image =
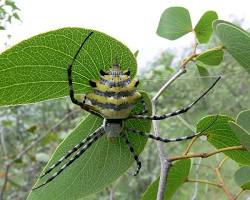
(114, 95)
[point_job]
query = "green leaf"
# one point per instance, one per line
(243, 120)
(211, 57)
(100, 165)
(220, 135)
(16, 16)
(36, 69)
(242, 177)
(204, 29)
(219, 21)
(174, 23)
(241, 134)
(202, 71)
(177, 176)
(237, 43)
(11, 4)
(2, 28)
(136, 53)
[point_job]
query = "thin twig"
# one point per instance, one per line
(204, 182)
(225, 189)
(222, 162)
(190, 144)
(238, 194)
(205, 155)
(221, 180)
(5, 181)
(111, 193)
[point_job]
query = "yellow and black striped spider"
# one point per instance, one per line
(113, 99)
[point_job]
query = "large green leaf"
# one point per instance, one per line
(36, 69)
(243, 120)
(102, 164)
(174, 23)
(236, 42)
(242, 177)
(242, 128)
(219, 21)
(177, 176)
(220, 135)
(204, 29)
(241, 134)
(211, 57)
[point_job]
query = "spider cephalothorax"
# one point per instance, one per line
(113, 98)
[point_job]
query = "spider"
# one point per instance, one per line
(113, 98)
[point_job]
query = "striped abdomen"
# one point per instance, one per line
(115, 95)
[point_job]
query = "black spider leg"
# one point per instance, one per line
(71, 87)
(132, 150)
(77, 155)
(70, 152)
(177, 112)
(166, 140)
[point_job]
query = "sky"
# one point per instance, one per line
(134, 22)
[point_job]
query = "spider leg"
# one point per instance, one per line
(70, 152)
(166, 140)
(177, 112)
(131, 149)
(70, 81)
(77, 155)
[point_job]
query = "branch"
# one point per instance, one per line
(221, 180)
(205, 155)
(165, 163)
